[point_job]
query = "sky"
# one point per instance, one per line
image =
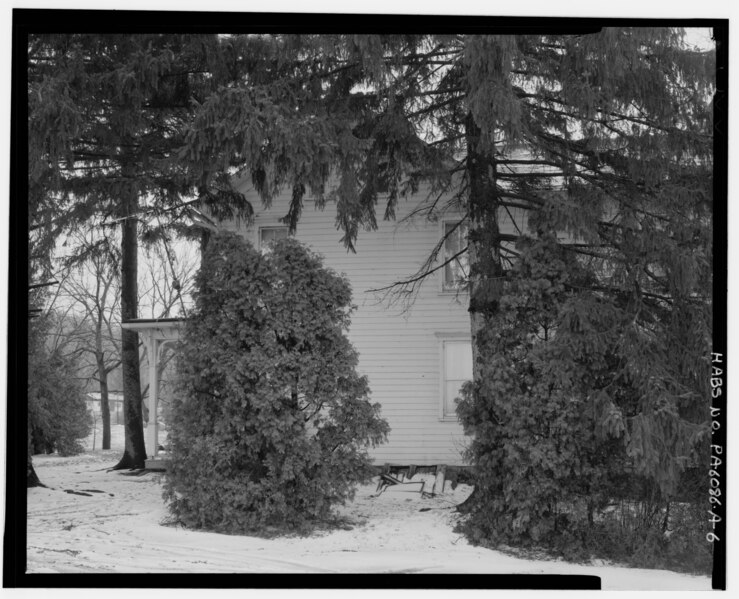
(701, 37)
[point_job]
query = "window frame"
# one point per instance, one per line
(443, 339)
(276, 226)
(442, 271)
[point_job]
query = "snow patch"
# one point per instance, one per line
(118, 528)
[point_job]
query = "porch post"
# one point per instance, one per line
(154, 333)
(151, 432)
(154, 406)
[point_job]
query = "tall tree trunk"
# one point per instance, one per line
(32, 479)
(134, 455)
(204, 240)
(486, 269)
(104, 401)
(103, 380)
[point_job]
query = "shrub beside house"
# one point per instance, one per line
(416, 354)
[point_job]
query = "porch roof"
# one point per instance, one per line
(148, 323)
(156, 328)
(155, 332)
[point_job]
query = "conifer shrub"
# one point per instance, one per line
(581, 441)
(58, 417)
(271, 423)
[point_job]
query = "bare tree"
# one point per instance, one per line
(91, 290)
(168, 276)
(89, 311)
(167, 280)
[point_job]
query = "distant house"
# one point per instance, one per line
(115, 405)
(417, 359)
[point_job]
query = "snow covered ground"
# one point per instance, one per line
(112, 523)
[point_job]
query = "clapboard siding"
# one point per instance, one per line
(399, 350)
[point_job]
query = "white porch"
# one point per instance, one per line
(155, 333)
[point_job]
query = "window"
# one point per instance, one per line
(456, 370)
(269, 235)
(457, 271)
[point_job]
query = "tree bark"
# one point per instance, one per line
(134, 455)
(104, 402)
(204, 240)
(32, 479)
(486, 269)
(103, 379)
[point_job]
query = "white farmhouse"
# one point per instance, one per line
(416, 356)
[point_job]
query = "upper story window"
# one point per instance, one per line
(456, 272)
(269, 235)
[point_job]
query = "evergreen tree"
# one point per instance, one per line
(57, 412)
(591, 332)
(598, 148)
(107, 115)
(270, 423)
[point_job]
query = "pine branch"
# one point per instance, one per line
(39, 285)
(417, 278)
